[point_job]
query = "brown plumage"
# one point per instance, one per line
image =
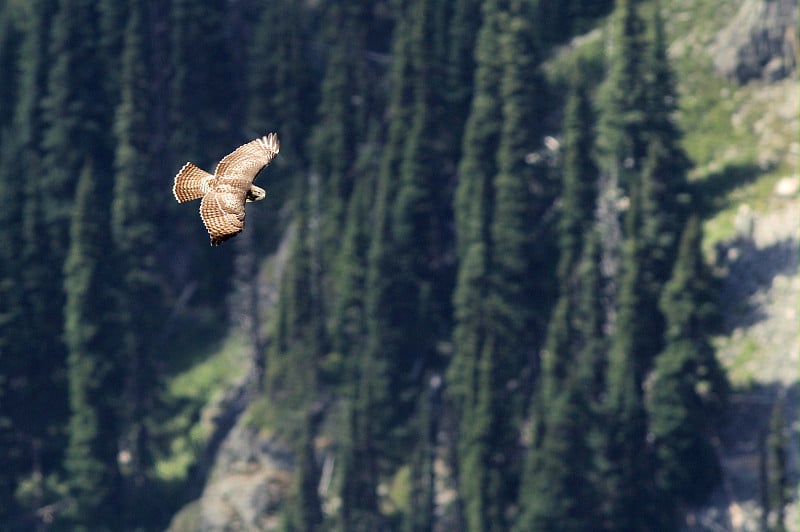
(225, 193)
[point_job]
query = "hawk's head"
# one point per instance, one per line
(256, 193)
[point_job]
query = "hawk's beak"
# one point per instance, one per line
(256, 193)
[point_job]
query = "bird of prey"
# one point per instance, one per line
(225, 193)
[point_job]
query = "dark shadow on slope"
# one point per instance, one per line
(711, 194)
(750, 270)
(740, 447)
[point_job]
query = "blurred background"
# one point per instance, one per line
(522, 265)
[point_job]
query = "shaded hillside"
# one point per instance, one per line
(483, 292)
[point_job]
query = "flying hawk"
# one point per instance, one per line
(225, 193)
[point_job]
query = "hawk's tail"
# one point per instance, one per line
(191, 183)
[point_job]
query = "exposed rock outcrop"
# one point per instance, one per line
(760, 42)
(252, 474)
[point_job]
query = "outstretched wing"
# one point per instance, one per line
(222, 211)
(191, 183)
(247, 160)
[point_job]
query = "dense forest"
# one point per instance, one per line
(492, 270)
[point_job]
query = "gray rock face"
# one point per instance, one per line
(252, 474)
(760, 42)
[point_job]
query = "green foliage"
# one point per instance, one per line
(139, 305)
(688, 390)
(558, 491)
(10, 41)
(430, 229)
(93, 369)
(579, 181)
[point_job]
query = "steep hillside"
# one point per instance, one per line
(736, 69)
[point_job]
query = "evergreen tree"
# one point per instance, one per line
(342, 117)
(579, 174)
(521, 196)
(75, 118)
(200, 104)
(300, 338)
(358, 456)
(589, 320)
(348, 314)
(134, 219)
(204, 110)
(689, 303)
(465, 22)
(304, 511)
(576, 216)
(10, 41)
(621, 143)
(688, 387)
(10, 248)
(558, 491)
(297, 349)
(390, 309)
(625, 467)
(112, 18)
(76, 113)
(420, 210)
(473, 212)
(622, 123)
(283, 96)
(93, 369)
(30, 280)
(472, 203)
(560, 484)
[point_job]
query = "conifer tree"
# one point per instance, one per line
(76, 117)
(390, 310)
(200, 103)
(465, 22)
(494, 363)
(93, 369)
(134, 215)
(300, 338)
(419, 517)
(576, 217)
(558, 490)
(472, 203)
(10, 248)
(518, 306)
(10, 41)
(560, 487)
(624, 462)
(358, 456)
(620, 136)
(420, 211)
(680, 414)
(348, 315)
(76, 112)
(112, 17)
(579, 189)
(283, 96)
(473, 211)
(589, 320)
(337, 133)
(204, 114)
(304, 511)
(622, 127)
(294, 362)
(39, 356)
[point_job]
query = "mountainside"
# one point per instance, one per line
(748, 53)
(521, 265)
